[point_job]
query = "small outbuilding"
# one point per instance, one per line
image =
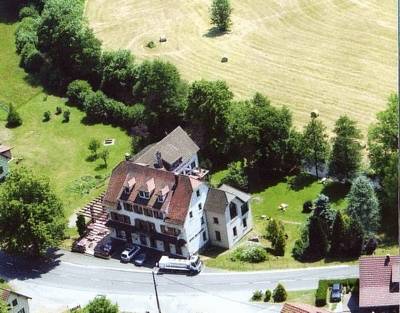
(224, 59)
(163, 38)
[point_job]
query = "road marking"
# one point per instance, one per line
(107, 268)
(35, 270)
(9, 263)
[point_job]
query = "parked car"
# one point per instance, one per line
(336, 293)
(104, 251)
(129, 253)
(140, 259)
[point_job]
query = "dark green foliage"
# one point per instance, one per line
(163, 93)
(28, 11)
(315, 146)
(31, 216)
(338, 237)
(77, 92)
(276, 235)
(104, 154)
(66, 116)
(94, 146)
(301, 245)
(26, 33)
(354, 238)
(257, 295)
(101, 304)
(267, 295)
(345, 159)
(383, 155)
(307, 206)
(220, 14)
(323, 286)
(318, 241)
(13, 118)
(236, 176)
(58, 110)
(208, 105)
(118, 74)
(279, 294)
(46, 116)
(151, 44)
(81, 225)
(363, 205)
(371, 246)
(31, 59)
(323, 210)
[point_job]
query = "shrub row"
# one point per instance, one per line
(250, 253)
(351, 284)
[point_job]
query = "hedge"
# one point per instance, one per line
(323, 285)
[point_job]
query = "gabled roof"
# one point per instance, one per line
(245, 197)
(302, 308)
(172, 147)
(6, 293)
(218, 199)
(376, 275)
(176, 203)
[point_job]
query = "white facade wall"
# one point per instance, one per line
(22, 305)
(220, 227)
(193, 226)
(188, 165)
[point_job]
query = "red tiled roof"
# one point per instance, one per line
(375, 278)
(302, 308)
(4, 294)
(176, 203)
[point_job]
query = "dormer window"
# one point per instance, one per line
(128, 185)
(147, 189)
(144, 194)
(162, 194)
(161, 198)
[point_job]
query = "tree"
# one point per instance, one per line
(3, 307)
(101, 304)
(104, 154)
(208, 106)
(77, 91)
(315, 146)
(236, 176)
(267, 295)
(276, 235)
(31, 215)
(66, 116)
(280, 243)
(279, 294)
(13, 118)
(339, 236)
(220, 14)
(81, 225)
(94, 145)
(318, 239)
(345, 159)
(354, 238)
(324, 211)
(383, 156)
(363, 205)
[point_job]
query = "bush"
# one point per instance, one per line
(279, 294)
(251, 254)
(267, 295)
(66, 115)
(13, 118)
(77, 92)
(257, 295)
(81, 225)
(58, 110)
(46, 116)
(307, 206)
(236, 176)
(29, 11)
(151, 44)
(31, 59)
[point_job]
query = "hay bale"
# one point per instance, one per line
(224, 59)
(163, 38)
(314, 113)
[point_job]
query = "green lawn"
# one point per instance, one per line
(293, 191)
(302, 296)
(54, 149)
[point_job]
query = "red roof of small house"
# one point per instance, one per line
(302, 308)
(5, 294)
(176, 188)
(377, 275)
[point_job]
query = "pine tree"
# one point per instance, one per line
(13, 117)
(346, 156)
(354, 238)
(81, 224)
(324, 211)
(363, 205)
(339, 236)
(318, 241)
(279, 294)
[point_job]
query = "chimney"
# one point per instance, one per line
(159, 159)
(127, 156)
(387, 259)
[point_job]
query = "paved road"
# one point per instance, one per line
(72, 279)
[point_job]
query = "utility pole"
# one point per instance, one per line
(155, 289)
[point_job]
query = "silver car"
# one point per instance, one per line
(129, 253)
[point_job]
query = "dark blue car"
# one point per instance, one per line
(336, 293)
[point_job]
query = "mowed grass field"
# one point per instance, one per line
(53, 149)
(338, 56)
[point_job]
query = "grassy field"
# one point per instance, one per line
(55, 149)
(293, 191)
(338, 56)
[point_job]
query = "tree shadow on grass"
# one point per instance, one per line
(260, 180)
(100, 167)
(91, 158)
(301, 181)
(336, 191)
(214, 32)
(212, 252)
(8, 12)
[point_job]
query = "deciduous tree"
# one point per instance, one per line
(236, 176)
(220, 14)
(279, 294)
(13, 117)
(101, 304)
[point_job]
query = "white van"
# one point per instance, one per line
(193, 265)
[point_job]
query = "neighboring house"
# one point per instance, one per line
(228, 215)
(157, 209)
(302, 308)
(176, 152)
(5, 157)
(379, 283)
(17, 302)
